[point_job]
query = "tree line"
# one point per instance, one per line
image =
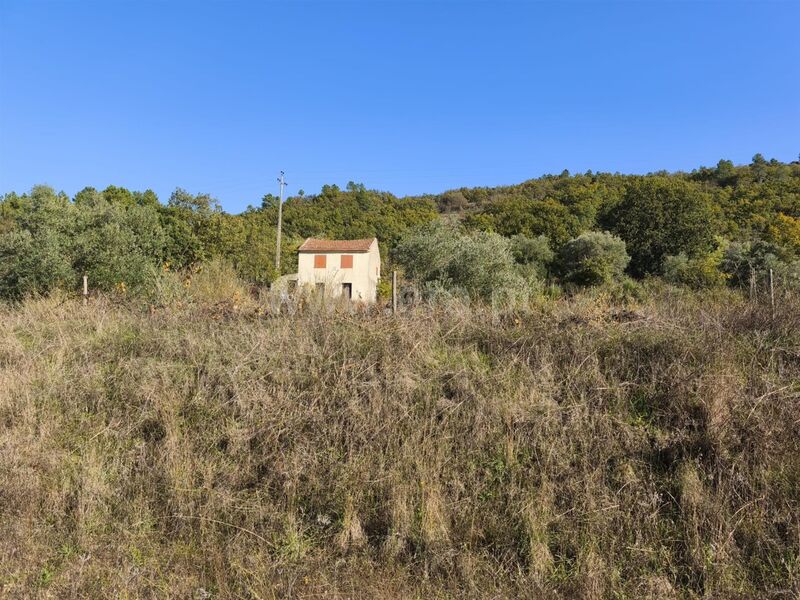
(713, 226)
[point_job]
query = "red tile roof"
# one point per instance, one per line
(315, 245)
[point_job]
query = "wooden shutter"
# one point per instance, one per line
(320, 261)
(347, 261)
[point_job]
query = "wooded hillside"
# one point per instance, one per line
(704, 228)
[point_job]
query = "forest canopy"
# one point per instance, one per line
(713, 225)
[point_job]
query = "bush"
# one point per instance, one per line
(36, 248)
(33, 264)
(698, 272)
(593, 258)
(119, 245)
(746, 261)
(444, 257)
(534, 253)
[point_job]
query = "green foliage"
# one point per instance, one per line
(353, 214)
(698, 272)
(248, 242)
(118, 244)
(661, 216)
(784, 232)
(192, 223)
(478, 263)
(201, 203)
(384, 288)
(34, 252)
(32, 264)
(749, 263)
(593, 258)
(667, 221)
(119, 236)
(531, 217)
(534, 254)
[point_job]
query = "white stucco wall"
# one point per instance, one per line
(363, 276)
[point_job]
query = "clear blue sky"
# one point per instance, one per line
(408, 97)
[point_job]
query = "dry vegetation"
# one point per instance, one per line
(583, 448)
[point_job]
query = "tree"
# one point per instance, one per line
(193, 225)
(534, 254)
(593, 258)
(36, 252)
(200, 203)
(784, 232)
(531, 217)
(119, 196)
(697, 273)
(88, 196)
(759, 168)
(119, 244)
(742, 261)
(478, 263)
(661, 216)
(33, 264)
(146, 198)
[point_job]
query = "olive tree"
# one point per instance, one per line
(479, 263)
(593, 258)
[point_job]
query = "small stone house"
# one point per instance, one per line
(349, 268)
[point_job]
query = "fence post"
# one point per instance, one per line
(394, 292)
(85, 290)
(772, 294)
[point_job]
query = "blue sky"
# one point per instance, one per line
(408, 97)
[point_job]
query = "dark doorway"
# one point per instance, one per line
(347, 290)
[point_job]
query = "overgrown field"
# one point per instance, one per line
(581, 448)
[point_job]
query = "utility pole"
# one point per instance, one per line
(282, 182)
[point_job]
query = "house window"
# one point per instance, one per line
(347, 261)
(320, 261)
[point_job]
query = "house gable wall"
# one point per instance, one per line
(363, 276)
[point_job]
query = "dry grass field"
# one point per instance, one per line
(582, 448)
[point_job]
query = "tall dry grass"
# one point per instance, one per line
(582, 448)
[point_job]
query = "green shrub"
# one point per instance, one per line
(744, 262)
(33, 264)
(36, 248)
(445, 258)
(697, 272)
(119, 245)
(593, 258)
(535, 253)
